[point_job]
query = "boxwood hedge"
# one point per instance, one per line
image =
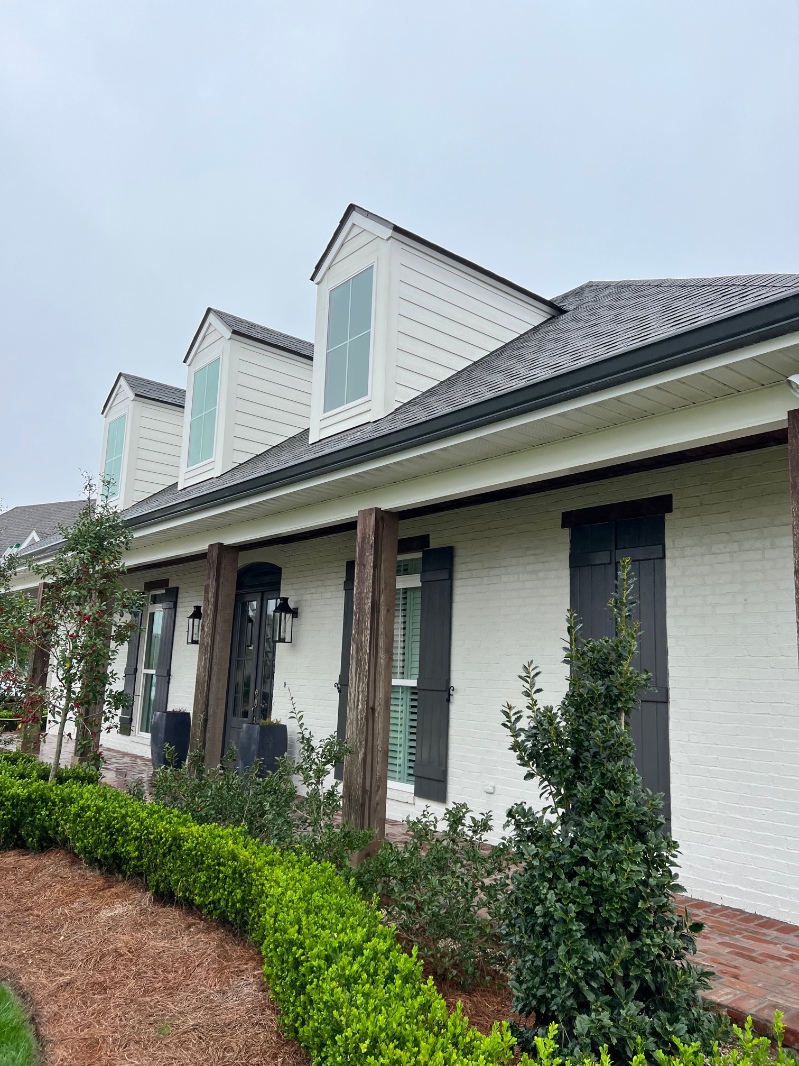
(347, 992)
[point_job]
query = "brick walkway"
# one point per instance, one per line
(756, 959)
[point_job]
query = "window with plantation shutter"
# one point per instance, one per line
(405, 671)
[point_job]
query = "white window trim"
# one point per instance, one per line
(367, 398)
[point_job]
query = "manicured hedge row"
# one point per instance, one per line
(347, 992)
(15, 764)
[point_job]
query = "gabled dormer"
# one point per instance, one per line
(142, 433)
(248, 388)
(396, 314)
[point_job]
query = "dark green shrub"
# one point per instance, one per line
(271, 808)
(16, 764)
(590, 924)
(440, 890)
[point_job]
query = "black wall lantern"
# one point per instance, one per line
(193, 629)
(284, 616)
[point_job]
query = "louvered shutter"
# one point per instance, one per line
(131, 667)
(432, 718)
(344, 674)
(163, 670)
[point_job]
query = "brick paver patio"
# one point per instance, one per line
(756, 959)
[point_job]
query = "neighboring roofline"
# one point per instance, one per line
(434, 248)
(240, 333)
(773, 319)
(149, 399)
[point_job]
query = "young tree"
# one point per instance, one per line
(20, 699)
(590, 923)
(87, 614)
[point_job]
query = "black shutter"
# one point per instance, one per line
(131, 666)
(163, 669)
(432, 716)
(344, 675)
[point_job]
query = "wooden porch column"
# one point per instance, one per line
(39, 666)
(213, 653)
(793, 467)
(369, 701)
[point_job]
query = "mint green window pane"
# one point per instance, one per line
(113, 457)
(409, 566)
(361, 303)
(336, 378)
(407, 627)
(338, 326)
(358, 367)
(402, 734)
(203, 413)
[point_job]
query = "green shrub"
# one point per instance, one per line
(440, 890)
(590, 923)
(270, 808)
(17, 764)
(347, 991)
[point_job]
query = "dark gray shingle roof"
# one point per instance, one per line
(17, 523)
(156, 390)
(283, 341)
(601, 319)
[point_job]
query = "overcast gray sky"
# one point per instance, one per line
(158, 157)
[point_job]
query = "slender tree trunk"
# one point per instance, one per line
(60, 737)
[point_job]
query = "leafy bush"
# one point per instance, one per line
(590, 923)
(270, 808)
(347, 991)
(440, 891)
(16, 764)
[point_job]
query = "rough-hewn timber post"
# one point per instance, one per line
(38, 669)
(369, 700)
(793, 467)
(213, 653)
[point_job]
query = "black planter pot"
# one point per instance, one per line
(170, 727)
(265, 742)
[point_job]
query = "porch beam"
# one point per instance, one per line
(213, 652)
(369, 702)
(793, 468)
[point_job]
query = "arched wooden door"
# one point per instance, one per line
(252, 649)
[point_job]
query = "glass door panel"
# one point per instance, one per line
(152, 647)
(266, 666)
(245, 656)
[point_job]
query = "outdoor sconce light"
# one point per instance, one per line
(284, 616)
(193, 630)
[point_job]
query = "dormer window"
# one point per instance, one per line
(203, 413)
(113, 457)
(349, 341)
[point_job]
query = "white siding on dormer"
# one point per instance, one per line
(209, 337)
(447, 320)
(160, 430)
(272, 397)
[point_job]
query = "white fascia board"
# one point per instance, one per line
(355, 219)
(120, 387)
(695, 426)
(218, 324)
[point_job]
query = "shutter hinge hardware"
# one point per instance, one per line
(450, 693)
(337, 686)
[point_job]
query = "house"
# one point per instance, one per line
(430, 485)
(22, 527)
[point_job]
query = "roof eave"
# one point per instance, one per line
(761, 323)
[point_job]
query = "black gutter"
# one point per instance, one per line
(761, 323)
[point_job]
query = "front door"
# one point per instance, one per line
(252, 663)
(594, 557)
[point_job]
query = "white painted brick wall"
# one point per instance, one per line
(732, 656)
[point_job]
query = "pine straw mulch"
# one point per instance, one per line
(115, 977)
